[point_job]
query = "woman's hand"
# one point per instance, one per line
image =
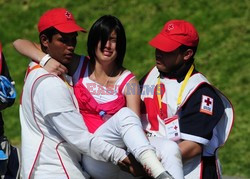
(55, 67)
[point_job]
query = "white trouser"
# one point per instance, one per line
(169, 153)
(123, 130)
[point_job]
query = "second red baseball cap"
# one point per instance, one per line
(59, 18)
(174, 34)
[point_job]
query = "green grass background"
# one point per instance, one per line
(223, 54)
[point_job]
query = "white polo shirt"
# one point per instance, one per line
(53, 131)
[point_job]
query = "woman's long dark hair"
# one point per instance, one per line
(101, 31)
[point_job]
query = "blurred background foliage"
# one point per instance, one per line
(223, 54)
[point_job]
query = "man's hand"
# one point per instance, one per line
(130, 165)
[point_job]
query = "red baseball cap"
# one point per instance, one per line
(174, 34)
(59, 18)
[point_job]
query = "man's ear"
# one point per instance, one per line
(44, 40)
(188, 54)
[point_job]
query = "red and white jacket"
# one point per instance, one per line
(153, 118)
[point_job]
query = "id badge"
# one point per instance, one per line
(172, 128)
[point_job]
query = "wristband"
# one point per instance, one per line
(44, 60)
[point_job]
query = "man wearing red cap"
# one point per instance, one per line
(53, 132)
(183, 106)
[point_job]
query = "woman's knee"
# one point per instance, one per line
(126, 116)
(126, 111)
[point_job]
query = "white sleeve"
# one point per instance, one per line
(53, 96)
(71, 127)
(55, 102)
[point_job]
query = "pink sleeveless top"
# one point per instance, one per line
(93, 113)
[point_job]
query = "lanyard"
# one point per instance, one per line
(184, 84)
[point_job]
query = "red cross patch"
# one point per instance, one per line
(67, 14)
(207, 104)
(170, 27)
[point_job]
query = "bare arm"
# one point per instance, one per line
(189, 149)
(34, 52)
(29, 49)
(133, 96)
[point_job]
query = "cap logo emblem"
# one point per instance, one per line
(170, 27)
(67, 14)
